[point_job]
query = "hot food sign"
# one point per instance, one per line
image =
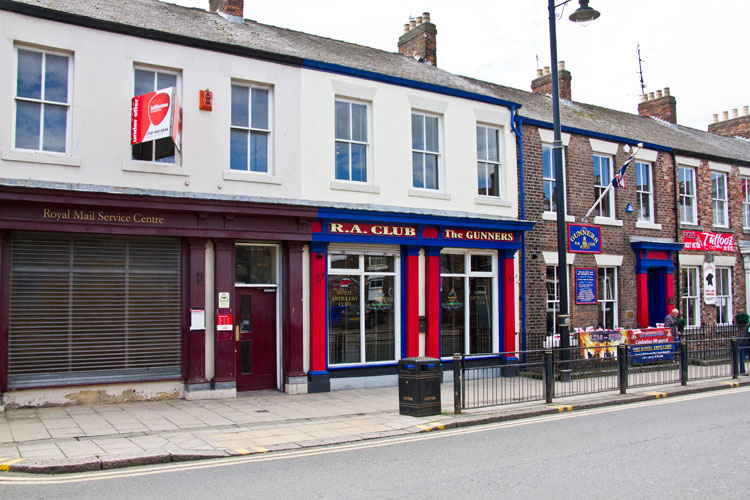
(710, 242)
(156, 115)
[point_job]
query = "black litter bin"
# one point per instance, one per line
(419, 386)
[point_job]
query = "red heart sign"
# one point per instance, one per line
(158, 108)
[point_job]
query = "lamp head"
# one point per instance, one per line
(584, 15)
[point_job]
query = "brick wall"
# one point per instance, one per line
(420, 40)
(542, 84)
(732, 127)
(659, 105)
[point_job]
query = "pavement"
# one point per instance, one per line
(106, 436)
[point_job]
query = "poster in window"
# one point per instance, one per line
(156, 115)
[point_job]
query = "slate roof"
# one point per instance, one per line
(165, 18)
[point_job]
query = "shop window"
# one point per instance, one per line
(607, 290)
(724, 295)
(250, 132)
(467, 300)
(602, 180)
(362, 318)
(255, 265)
(489, 168)
(644, 191)
(719, 199)
(42, 101)
(351, 144)
(688, 205)
(161, 150)
(425, 138)
(690, 287)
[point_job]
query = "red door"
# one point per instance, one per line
(255, 338)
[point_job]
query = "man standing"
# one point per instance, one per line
(671, 322)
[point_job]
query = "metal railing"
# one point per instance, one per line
(501, 378)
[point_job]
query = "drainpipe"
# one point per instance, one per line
(519, 141)
(677, 292)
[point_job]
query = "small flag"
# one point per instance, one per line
(619, 179)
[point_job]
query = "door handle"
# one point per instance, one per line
(237, 333)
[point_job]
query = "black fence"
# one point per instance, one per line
(543, 375)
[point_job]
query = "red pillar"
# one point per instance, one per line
(293, 312)
(508, 301)
(432, 303)
(224, 359)
(197, 344)
(641, 292)
(319, 378)
(412, 303)
(671, 303)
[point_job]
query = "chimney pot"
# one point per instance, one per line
(666, 91)
(650, 96)
(412, 24)
(734, 113)
(658, 94)
(644, 98)
(546, 70)
(419, 20)
(724, 115)
(539, 72)
(561, 65)
(406, 28)
(745, 110)
(426, 17)
(716, 117)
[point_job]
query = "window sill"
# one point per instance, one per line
(722, 229)
(360, 187)
(488, 200)
(426, 193)
(242, 176)
(42, 158)
(152, 167)
(644, 224)
(607, 221)
(553, 216)
(690, 227)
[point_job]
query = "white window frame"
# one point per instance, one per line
(42, 101)
(724, 295)
(719, 199)
(424, 152)
(645, 196)
(488, 163)
(250, 129)
(688, 200)
(178, 85)
(691, 303)
(605, 302)
(553, 304)
(467, 275)
(599, 188)
(745, 202)
(350, 141)
(360, 271)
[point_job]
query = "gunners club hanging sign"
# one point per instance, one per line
(156, 115)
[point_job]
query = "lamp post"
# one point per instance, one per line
(583, 15)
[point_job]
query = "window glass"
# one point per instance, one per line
(452, 327)
(260, 108)
(344, 314)
(56, 78)
(29, 79)
(481, 263)
(351, 141)
(602, 179)
(488, 163)
(452, 263)
(255, 265)
(344, 262)
(161, 150)
(249, 132)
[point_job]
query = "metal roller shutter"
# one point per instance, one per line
(89, 308)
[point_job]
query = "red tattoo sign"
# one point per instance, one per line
(711, 242)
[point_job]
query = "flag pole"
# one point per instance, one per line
(611, 185)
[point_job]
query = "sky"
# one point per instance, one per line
(696, 48)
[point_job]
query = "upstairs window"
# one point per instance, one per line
(688, 206)
(352, 145)
(425, 140)
(719, 199)
(161, 150)
(42, 101)
(250, 130)
(602, 180)
(488, 161)
(644, 191)
(746, 202)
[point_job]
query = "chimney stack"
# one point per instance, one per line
(231, 10)
(662, 106)
(419, 40)
(738, 125)
(542, 84)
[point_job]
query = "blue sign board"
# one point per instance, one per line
(583, 238)
(586, 285)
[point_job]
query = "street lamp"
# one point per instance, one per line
(584, 15)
